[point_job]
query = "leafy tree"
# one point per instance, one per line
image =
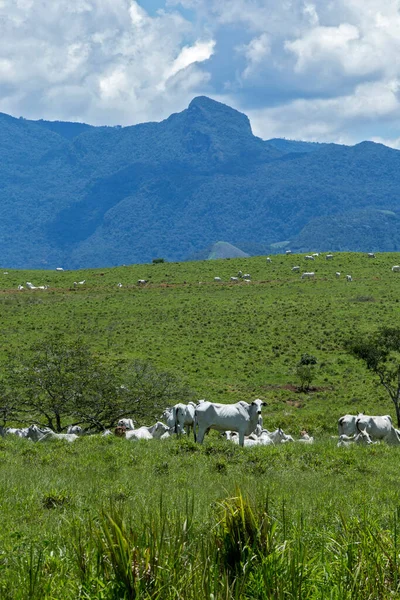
(305, 371)
(148, 391)
(62, 379)
(380, 352)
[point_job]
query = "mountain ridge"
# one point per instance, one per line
(92, 196)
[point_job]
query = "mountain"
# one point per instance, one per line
(75, 195)
(219, 250)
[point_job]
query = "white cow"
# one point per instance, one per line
(349, 278)
(396, 268)
(371, 255)
(378, 427)
(184, 417)
(76, 429)
(19, 432)
(329, 256)
(309, 257)
(296, 268)
(217, 279)
(362, 438)
(337, 274)
(347, 424)
(315, 254)
(154, 432)
(288, 252)
(35, 433)
(241, 417)
(128, 423)
(52, 436)
(309, 275)
(268, 259)
(142, 281)
(235, 279)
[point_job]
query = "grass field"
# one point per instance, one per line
(108, 519)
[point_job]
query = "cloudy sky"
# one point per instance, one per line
(323, 70)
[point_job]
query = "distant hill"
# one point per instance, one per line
(219, 250)
(74, 195)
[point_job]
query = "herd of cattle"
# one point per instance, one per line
(240, 423)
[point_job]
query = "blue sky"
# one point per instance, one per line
(322, 70)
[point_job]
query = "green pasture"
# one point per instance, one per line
(229, 341)
(108, 519)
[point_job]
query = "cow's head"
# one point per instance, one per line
(258, 404)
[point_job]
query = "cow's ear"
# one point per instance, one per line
(264, 404)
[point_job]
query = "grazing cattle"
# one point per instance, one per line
(347, 424)
(296, 268)
(247, 276)
(217, 279)
(337, 274)
(76, 283)
(315, 254)
(142, 281)
(305, 438)
(362, 438)
(349, 278)
(309, 257)
(119, 285)
(396, 268)
(59, 269)
(371, 255)
(235, 279)
(309, 275)
(379, 427)
(34, 287)
(35, 433)
(288, 252)
(268, 259)
(147, 433)
(76, 429)
(127, 423)
(241, 417)
(51, 436)
(20, 287)
(329, 256)
(183, 417)
(22, 433)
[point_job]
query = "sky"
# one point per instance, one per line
(325, 71)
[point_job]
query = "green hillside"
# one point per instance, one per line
(104, 518)
(228, 341)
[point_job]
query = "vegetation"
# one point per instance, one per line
(109, 196)
(380, 351)
(107, 519)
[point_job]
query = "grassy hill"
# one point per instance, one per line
(107, 518)
(229, 341)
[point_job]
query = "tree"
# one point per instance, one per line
(64, 379)
(305, 371)
(148, 391)
(380, 352)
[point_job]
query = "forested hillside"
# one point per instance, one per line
(82, 196)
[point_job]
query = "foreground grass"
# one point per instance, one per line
(105, 518)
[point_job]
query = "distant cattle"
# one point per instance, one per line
(309, 257)
(349, 278)
(309, 275)
(268, 259)
(337, 274)
(296, 268)
(217, 279)
(329, 256)
(234, 279)
(396, 268)
(142, 281)
(371, 255)
(288, 252)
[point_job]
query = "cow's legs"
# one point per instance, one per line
(200, 435)
(241, 438)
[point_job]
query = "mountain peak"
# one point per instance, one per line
(204, 109)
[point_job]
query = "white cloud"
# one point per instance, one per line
(99, 61)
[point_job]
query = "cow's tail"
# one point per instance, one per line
(175, 415)
(195, 422)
